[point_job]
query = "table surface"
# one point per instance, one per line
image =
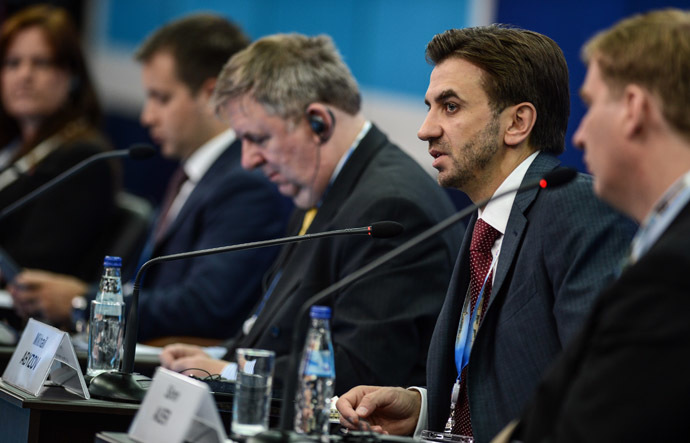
(58, 399)
(45, 417)
(58, 416)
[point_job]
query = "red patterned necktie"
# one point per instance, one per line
(483, 238)
(174, 185)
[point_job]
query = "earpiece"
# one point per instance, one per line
(317, 124)
(320, 127)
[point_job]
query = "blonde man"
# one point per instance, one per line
(626, 376)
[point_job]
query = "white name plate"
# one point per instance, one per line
(44, 351)
(177, 409)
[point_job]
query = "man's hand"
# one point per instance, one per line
(185, 358)
(387, 410)
(46, 295)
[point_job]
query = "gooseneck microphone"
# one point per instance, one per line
(123, 386)
(137, 151)
(553, 179)
(140, 151)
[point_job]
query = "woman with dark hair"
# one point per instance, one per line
(49, 118)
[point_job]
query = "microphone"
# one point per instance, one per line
(122, 385)
(553, 179)
(137, 151)
(141, 151)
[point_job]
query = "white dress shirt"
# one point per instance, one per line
(195, 168)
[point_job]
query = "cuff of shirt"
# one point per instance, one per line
(422, 421)
(229, 372)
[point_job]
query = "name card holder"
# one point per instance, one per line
(42, 352)
(177, 409)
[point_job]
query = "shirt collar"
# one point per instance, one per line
(662, 214)
(346, 156)
(668, 198)
(362, 133)
(497, 212)
(201, 160)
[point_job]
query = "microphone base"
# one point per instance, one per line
(119, 386)
(281, 436)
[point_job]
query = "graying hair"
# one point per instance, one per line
(287, 72)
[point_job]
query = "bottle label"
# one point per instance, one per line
(110, 289)
(320, 364)
(109, 309)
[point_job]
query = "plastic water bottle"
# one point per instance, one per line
(316, 376)
(107, 321)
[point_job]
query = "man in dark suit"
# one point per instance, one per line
(625, 376)
(211, 200)
(498, 110)
(305, 131)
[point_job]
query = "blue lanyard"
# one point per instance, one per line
(466, 339)
(269, 291)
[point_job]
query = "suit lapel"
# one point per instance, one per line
(347, 179)
(227, 158)
(460, 283)
(509, 248)
(441, 369)
(295, 258)
(517, 222)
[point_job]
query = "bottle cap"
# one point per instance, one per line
(112, 262)
(322, 312)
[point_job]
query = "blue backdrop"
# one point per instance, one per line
(381, 40)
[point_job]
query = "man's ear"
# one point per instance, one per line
(521, 119)
(206, 89)
(322, 121)
(637, 113)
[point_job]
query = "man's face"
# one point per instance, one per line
(175, 117)
(461, 128)
(599, 136)
(285, 152)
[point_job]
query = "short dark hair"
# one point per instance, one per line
(519, 66)
(200, 45)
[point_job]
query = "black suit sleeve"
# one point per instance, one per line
(394, 306)
(217, 291)
(626, 378)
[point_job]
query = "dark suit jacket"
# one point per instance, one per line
(381, 323)
(560, 248)
(211, 296)
(61, 231)
(625, 378)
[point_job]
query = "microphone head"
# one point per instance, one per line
(140, 151)
(385, 229)
(558, 177)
